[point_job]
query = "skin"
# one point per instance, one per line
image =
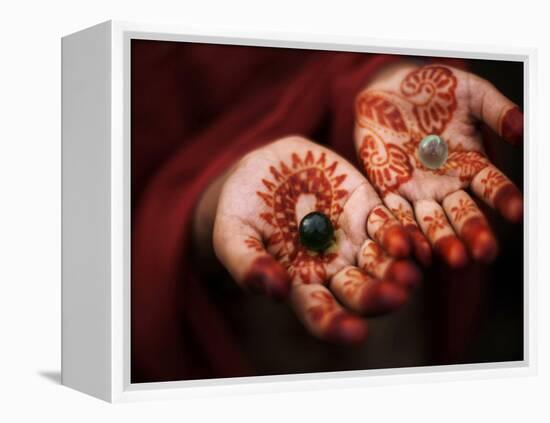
(249, 217)
(394, 113)
(252, 214)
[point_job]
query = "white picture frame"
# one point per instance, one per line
(96, 214)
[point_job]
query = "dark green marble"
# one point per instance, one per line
(316, 231)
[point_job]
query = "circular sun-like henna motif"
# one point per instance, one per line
(387, 165)
(305, 175)
(431, 89)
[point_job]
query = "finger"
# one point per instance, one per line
(497, 111)
(439, 232)
(241, 251)
(403, 212)
(365, 294)
(376, 262)
(493, 187)
(470, 224)
(386, 230)
(321, 314)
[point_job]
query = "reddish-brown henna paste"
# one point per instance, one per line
(462, 209)
(372, 107)
(430, 93)
(479, 239)
(422, 249)
(390, 126)
(431, 90)
(254, 244)
(436, 222)
(383, 297)
(336, 325)
(511, 126)
(346, 329)
(404, 273)
(387, 165)
(465, 164)
(267, 276)
(492, 182)
(396, 241)
(374, 257)
(304, 175)
(452, 250)
(509, 202)
(389, 233)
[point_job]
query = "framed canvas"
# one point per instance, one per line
(273, 212)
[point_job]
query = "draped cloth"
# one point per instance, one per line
(196, 109)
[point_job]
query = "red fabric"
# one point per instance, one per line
(195, 110)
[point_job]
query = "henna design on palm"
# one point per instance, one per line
(393, 115)
(308, 175)
(256, 238)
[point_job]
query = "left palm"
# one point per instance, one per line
(395, 113)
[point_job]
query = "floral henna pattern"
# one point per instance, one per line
(491, 182)
(304, 175)
(435, 223)
(431, 90)
(404, 215)
(379, 217)
(392, 124)
(387, 165)
(464, 208)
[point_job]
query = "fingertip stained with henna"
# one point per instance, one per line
(396, 241)
(511, 127)
(422, 249)
(404, 273)
(267, 276)
(452, 251)
(347, 329)
(509, 202)
(480, 240)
